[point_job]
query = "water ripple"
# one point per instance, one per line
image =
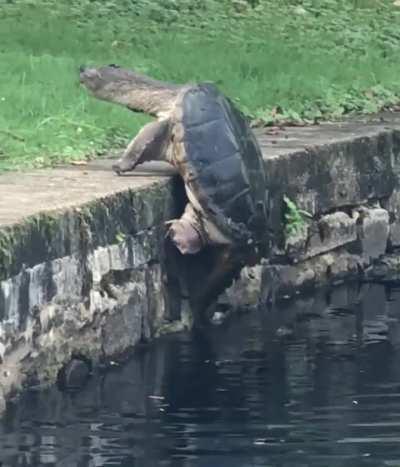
(242, 395)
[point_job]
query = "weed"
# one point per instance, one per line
(295, 218)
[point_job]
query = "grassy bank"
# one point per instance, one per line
(299, 60)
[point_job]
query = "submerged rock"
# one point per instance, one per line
(74, 374)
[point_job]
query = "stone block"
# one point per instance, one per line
(245, 292)
(393, 206)
(123, 328)
(373, 232)
(284, 281)
(334, 230)
(329, 233)
(394, 234)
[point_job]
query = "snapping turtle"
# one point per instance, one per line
(201, 133)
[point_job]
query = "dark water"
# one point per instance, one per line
(313, 383)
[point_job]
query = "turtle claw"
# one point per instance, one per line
(117, 169)
(168, 224)
(122, 166)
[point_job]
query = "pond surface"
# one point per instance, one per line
(315, 382)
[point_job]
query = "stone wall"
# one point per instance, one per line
(86, 281)
(350, 186)
(93, 278)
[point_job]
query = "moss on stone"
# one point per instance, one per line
(46, 236)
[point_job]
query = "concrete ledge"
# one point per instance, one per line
(83, 267)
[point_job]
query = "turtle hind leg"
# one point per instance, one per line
(211, 273)
(214, 267)
(225, 270)
(149, 144)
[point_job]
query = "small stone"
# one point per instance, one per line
(218, 317)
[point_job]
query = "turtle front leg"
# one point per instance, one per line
(193, 231)
(149, 144)
(187, 232)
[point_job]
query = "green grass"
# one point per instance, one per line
(280, 60)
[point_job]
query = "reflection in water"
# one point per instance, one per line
(313, 383)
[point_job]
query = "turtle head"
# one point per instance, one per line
(113, 84)
(128, 88)
(104, 81)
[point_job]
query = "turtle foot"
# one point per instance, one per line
(117, 169)
(122, 166)
(185, 237)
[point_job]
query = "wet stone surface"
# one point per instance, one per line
(312, 383)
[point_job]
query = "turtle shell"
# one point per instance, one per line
(221, 163)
